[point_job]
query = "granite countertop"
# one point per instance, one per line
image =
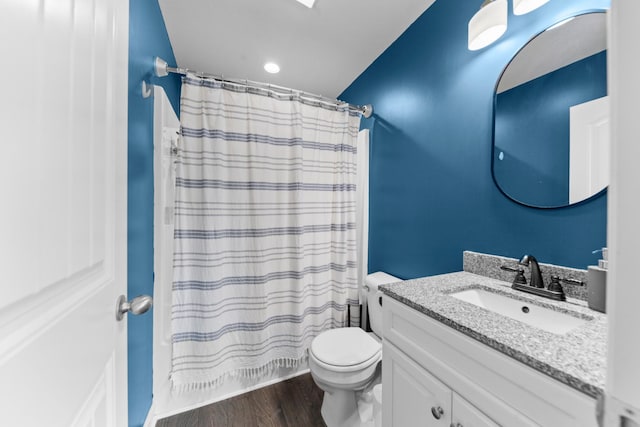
(577, 358)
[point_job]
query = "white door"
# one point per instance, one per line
(622, 402)
(589, 148)
(63, 109)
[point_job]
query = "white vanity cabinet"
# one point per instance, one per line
(416, 397)
(467, 415)
(434, 375)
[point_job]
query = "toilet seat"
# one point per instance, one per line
(345, 349)
(349, 368)
(345, 361)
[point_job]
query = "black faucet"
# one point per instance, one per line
(536, 287)
(536, 276)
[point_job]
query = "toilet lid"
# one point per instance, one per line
(344, 347)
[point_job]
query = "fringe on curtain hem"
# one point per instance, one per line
(249, 373)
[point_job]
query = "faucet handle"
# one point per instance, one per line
(520, 279)
(572, 281)
(555, 285)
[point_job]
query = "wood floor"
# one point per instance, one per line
(292, 403)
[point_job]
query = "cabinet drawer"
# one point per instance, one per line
(485, 377)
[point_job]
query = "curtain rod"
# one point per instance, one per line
(162, 69)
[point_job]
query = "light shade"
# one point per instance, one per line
(488, 24)
(308, 3)
(520, 7)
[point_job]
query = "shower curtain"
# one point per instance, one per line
(265, 234)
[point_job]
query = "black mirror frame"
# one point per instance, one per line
(493, 123)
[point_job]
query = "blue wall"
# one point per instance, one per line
(147, 39)
(432, 195)
(532, 130)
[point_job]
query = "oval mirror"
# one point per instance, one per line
(551, 116)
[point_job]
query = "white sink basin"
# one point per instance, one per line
(534, 315)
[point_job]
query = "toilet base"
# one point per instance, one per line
(348, 408)
(340, 409)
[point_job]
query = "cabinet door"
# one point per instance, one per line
(467, 415)
(411, 396)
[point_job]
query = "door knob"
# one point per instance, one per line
(138, 305)
(437, 412)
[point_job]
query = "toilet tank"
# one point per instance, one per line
(374, 301)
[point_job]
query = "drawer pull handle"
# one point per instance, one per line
(437, 412)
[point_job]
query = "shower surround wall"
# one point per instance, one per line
(432, 195)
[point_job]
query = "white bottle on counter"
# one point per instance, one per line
(597, 284)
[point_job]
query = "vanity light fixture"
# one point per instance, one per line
(488, 24)
(272, 67)
(520, 7)
(308, 3)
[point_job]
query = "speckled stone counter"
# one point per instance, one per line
(577, 358)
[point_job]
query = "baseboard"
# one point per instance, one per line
(150, 421)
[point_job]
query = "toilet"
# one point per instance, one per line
(345, 364)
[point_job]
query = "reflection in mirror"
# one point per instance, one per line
(551, 117)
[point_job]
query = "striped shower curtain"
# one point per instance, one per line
(265, 234)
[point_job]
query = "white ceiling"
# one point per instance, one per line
(319, 50)
(558, 47)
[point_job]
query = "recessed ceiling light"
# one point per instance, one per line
(272, 67)
(308, 3)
